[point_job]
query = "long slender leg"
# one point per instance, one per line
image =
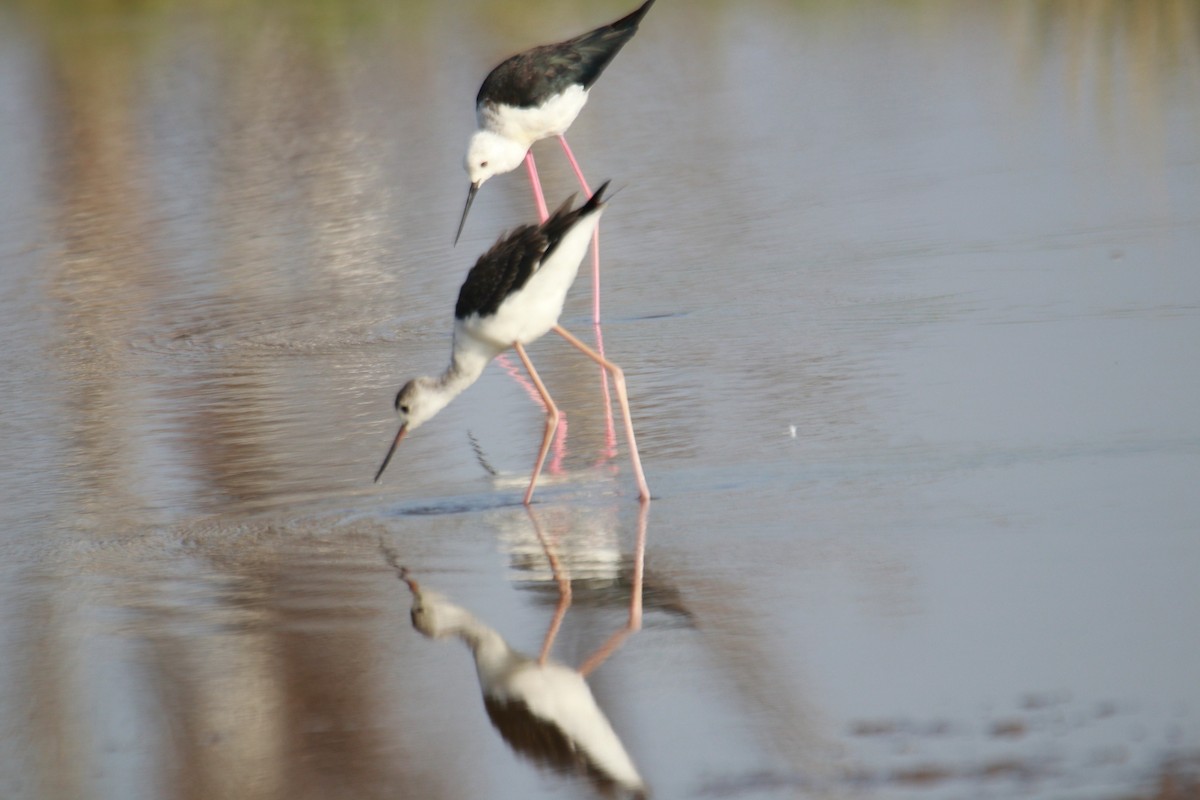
(574, 164)
(561, 577)
(610, 434)
(560, 442)
(538, 197)
(551, 420)
(610, 430)
(618, 377)
(560, 436)
(595, 238)
(634, 622)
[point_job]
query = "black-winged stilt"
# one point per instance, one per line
(513, 295)
(535, 95)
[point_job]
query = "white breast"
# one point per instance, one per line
(528, 125)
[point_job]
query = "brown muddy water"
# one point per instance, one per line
(908, 295)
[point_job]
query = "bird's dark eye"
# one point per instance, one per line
(483, 163)
(403, 409)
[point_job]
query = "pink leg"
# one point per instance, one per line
(595, 239)
(538, 197)
(560, 440)
(560, 436)
(610, 430)
(574, 164)
(551, 420)
(610, 434)
(619, 382)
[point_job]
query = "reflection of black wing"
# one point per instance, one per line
(528, 79)
(506, 267)
(545, 744)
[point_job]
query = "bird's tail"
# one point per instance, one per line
(565, 214)
(633, 18)
(597, 48)
(565, 219)
(595, 201)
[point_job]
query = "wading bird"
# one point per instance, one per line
(535, 95)
(513, 295)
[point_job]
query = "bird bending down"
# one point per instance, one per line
(513, 295)
(535, 95)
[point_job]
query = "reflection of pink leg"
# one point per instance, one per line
(635, 600)
(563, 579)
(538, 197)
(610, 434)
(619, 383)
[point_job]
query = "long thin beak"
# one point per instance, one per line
(470, 199)
(399, 435)
(413, 586)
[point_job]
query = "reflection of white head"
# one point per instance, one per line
(491, 154)
(436, 617)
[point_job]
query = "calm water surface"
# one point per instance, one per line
(908, 299)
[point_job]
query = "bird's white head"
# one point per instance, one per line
(416, 403)
(489, 154)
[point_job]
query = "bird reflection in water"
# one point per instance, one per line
(543, 708)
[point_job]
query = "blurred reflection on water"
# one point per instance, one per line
(907, 298)
(542, 707)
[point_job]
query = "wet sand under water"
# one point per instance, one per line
(912, 348)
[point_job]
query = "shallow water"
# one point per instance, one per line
(908, 302)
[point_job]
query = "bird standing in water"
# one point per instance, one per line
(535, 95)
(513, 295)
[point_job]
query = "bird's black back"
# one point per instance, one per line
(528, 78)
(508, 265)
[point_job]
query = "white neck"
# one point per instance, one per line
(466, 365)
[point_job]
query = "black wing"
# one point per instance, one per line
(507, 266)
(528, 78)
(500, 271)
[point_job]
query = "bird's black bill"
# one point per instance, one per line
(391, 450)
(470, 199)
